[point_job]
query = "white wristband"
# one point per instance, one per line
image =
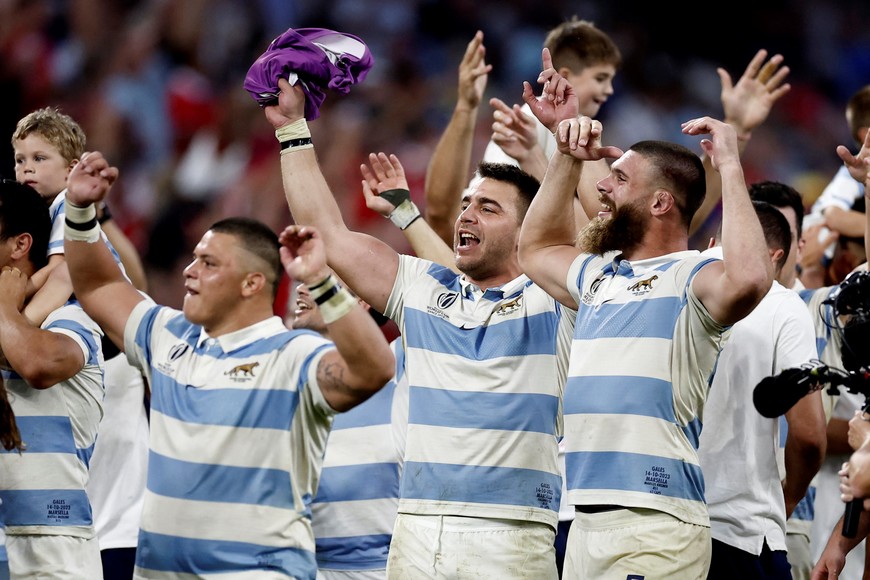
(404, 214)
(80, 223)
(333, 300)
(298, 129)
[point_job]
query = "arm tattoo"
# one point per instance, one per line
(330, 375)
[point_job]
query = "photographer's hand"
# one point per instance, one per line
(859, 429)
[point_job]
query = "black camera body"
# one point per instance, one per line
(851, 301)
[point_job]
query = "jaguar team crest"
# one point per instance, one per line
(243, 371)
(643, 286)
(510, 306)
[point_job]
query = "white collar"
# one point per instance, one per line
(244, 336)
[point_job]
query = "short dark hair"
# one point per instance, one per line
(578, 44)
(526, 185)
(257, 238)
(681, 172)
(780, 195)
(777, 232)
(24, 211)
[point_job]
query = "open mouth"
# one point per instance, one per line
(467, 240)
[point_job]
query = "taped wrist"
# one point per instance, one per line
(332, 298)
(294, 136)
(405, 211)
(80, 223)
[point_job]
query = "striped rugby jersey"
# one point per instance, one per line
(43, 489)
(238, 432)
(643, 354)
(485, 372)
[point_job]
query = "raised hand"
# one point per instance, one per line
(748, 103)
(386, 173)
(473, 73)
(855, 474)
(557, 101)
(859, 430)
(512, 130)
(303, 254)
(580, 138)
(90, 180)
(290, 107)
(858, 165)
(722, 148)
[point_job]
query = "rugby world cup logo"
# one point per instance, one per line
(446, 299)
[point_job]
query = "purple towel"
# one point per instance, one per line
(321, 59)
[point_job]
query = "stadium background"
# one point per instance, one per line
(157, 86)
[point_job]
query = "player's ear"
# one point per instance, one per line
(253, 283)
(663, 201)
(20, 245)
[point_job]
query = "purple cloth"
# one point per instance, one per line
(321, 58)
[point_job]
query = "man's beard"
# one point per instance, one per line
(623, 231)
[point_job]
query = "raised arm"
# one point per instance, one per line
(546, 247)
(516, 134)
(368, 265)
(57, 288)
(386, 192)
(730, 289)
(363, 361)
(103, 291)
(746, 106)
(450, 167)
(557, 103)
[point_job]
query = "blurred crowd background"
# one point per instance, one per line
(157, 86)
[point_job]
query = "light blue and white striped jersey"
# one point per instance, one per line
(55, 246)
(238, 432)
(355, 506)
(643, 355)
(57, 211)
(43, 488)
(485, 373)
